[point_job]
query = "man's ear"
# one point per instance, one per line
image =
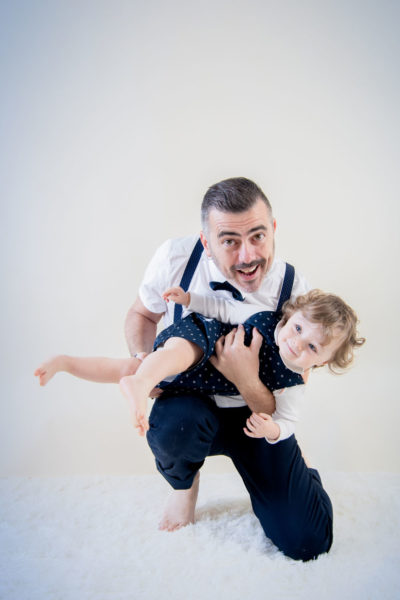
(274, 224)
(205, 243)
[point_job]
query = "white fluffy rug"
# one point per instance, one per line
(96, 538)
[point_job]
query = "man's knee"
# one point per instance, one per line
(307, 546)
(302, 540)
(173, 436)
(179, 424)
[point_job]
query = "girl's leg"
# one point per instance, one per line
(98, 369)
(177, 355)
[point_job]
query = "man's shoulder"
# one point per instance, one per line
(178, 247)
(165, 270)
(170, 259)
(272, 284)
(300, 282)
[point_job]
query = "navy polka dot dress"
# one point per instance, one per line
(205, 332)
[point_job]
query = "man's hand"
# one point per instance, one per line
(240, 364)
(177, 295)
(236, 361)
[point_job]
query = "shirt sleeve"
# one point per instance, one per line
(288, 402)
(212, 307)
(165, 270)
(155, 280)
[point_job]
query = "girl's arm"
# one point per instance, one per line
(207, 305)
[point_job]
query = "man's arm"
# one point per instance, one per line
(141, 328)
(240, 364)
(257, 397)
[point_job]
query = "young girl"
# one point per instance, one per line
(314, 330)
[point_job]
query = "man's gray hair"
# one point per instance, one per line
(235, 195)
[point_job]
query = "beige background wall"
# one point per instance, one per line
(115, 118)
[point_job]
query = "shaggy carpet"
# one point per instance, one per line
(96, 538)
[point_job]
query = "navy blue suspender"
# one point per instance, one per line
(287, 285)
(188, 275)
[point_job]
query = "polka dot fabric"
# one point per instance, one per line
(205, 332)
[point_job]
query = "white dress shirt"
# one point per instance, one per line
(165, 270)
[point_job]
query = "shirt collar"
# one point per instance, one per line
(216, 275)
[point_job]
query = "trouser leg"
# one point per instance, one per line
(183, 431)
(287, 497)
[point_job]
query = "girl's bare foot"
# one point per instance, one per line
(136, 392)
(180, 507)
(49, 368)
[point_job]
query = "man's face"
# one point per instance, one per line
(241, 244)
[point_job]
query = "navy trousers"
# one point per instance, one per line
(287, 497)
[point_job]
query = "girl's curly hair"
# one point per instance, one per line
(335, 316)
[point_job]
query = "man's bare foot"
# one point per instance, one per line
(136, 392)
(180, 507)
(49, 368)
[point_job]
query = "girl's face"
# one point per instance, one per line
(302, 344)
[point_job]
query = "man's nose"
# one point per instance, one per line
(246, 253)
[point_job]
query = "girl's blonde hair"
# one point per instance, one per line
(335, 316)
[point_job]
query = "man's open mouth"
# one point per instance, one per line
(248, 272)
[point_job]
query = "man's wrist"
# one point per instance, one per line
(257, 396)
(249, 385)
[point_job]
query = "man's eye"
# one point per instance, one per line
(259, 237)
(228, 242)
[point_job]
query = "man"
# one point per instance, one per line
(238, 240)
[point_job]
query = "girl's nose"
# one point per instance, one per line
(298, 344)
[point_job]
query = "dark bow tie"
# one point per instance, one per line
(224, 285)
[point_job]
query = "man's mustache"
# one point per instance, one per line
(254, 263)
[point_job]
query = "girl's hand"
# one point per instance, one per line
(260, 425)
(177, 295)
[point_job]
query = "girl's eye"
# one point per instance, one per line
(298, 328)
(312, 347)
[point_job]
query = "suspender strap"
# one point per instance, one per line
(287, 285)
(188, 275)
